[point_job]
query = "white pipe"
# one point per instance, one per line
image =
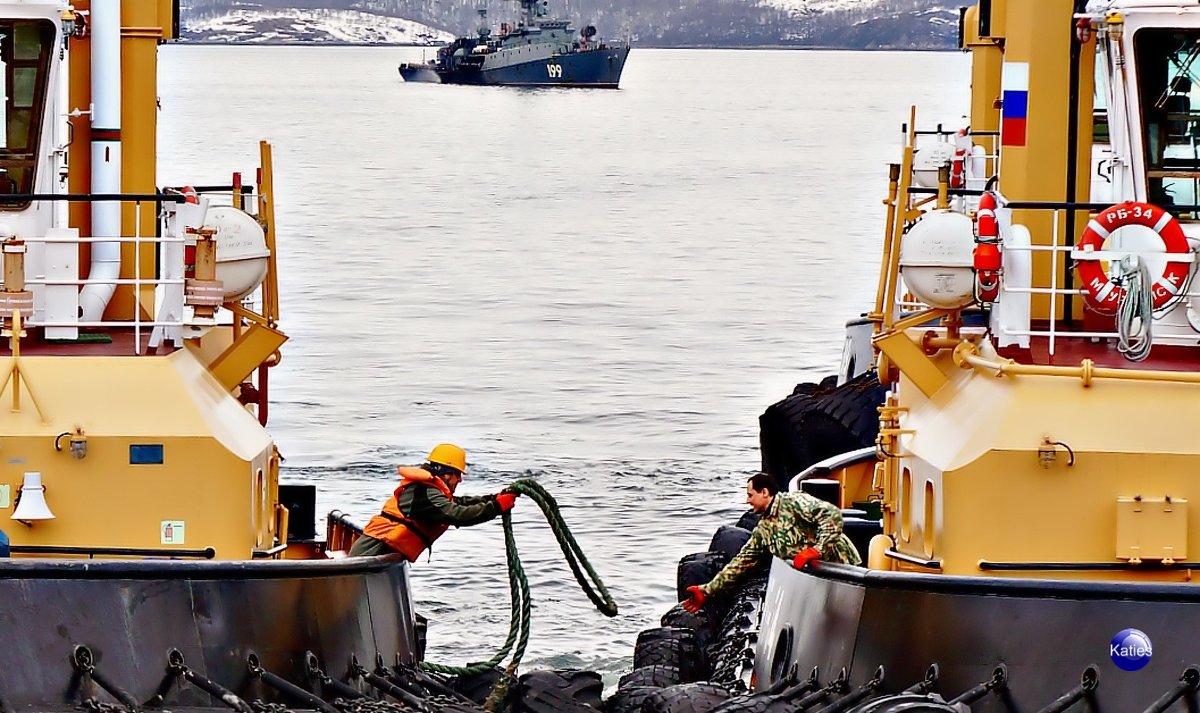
(106, 155)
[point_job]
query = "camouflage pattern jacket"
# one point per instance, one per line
(793, 522)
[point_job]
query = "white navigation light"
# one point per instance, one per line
(936, 259)
(31, 503)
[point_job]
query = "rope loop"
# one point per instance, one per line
(521, 608)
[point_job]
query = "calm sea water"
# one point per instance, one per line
(601, 290)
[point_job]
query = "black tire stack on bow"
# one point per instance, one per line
(557, 691)
(819, 421)
(695, 662)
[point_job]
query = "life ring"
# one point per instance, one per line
(1103, 293)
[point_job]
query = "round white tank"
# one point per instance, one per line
(241, 250)
(928, 159)
(936, 257)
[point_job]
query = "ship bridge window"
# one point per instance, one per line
(26, 48)
(1168, 77)
(1100, 103)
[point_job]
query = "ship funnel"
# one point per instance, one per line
(31, 503)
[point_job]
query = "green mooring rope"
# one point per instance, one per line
(518, 585)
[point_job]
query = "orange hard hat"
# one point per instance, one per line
(449, 455)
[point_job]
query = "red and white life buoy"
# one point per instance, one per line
(1102, 293)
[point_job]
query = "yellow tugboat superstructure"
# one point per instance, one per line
(124, 386)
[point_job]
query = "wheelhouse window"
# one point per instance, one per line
(26, 49)
(1168, 76)
(1100, 101)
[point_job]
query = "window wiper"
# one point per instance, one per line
(1184, 68)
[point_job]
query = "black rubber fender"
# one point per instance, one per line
(477, 687)
(699, 697)
(547, 700)
(817, 422)
(749, 520)
(703, 623)
(582, 687)
(657, 676)
(629, 699)
(696, 569)
(728, 540)
(671, 646)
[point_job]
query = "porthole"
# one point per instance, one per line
(928, 527)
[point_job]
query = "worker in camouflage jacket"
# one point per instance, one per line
(794, 526)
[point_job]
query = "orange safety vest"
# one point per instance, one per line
(403, 534)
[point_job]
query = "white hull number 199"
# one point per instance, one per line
(554, 71)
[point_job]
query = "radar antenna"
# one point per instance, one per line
(484, 30)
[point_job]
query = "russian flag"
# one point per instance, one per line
(1014, 103)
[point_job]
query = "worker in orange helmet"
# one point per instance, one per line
(424, 506)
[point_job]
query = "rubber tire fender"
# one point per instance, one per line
(816, 423)
(696, 569)
(749, 520)
(700, 697)
(702, 623)
(477, 687)
(629, 699)
(729, 540)
(653, 676)
(547, 700)
(671, 646)
(584, 687)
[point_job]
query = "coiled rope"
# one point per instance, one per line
(1135, 311)
(518, 585)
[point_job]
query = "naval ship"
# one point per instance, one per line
(536, 51)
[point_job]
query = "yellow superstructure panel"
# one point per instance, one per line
(167, 448)
(1016, 468)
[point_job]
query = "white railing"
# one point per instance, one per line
(137, 281)
(1053, 291)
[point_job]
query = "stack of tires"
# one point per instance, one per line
(702, 662)
(819, 421)
(544, 691)
(695, 662)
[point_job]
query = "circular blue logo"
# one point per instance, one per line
(1130, 650)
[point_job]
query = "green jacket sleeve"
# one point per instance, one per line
(745, 560)
(430, 505)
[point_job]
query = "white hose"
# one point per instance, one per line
(1135, 312)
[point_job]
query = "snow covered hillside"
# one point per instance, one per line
(849, 24)
(309, 25)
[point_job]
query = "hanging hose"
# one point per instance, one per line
(1135, 312)
(521, 608)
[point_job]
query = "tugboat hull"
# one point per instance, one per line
(130, 614)
(1045, 633)
(599, 68)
